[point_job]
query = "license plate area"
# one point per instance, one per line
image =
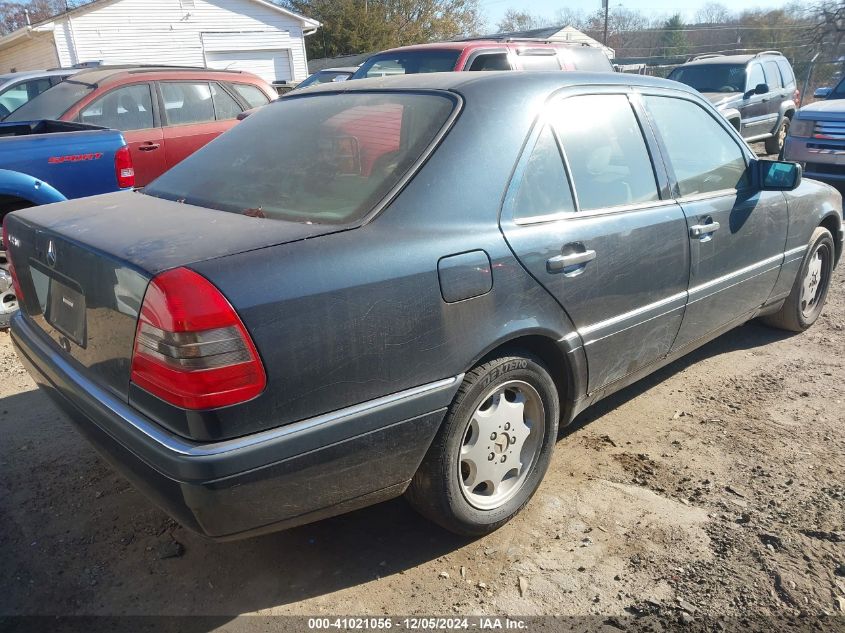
(65, 310)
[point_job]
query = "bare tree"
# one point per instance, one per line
(713, 13)
(515, 20)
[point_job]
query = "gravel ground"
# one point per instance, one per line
(714, 487)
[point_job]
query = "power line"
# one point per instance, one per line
(790, 44)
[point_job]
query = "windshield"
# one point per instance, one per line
(340, 156)
(407, 63)
(712, 77)
(52, 103)
(839, 91)
(324, 77)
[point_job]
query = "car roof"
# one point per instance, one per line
(463, 45)
(514, 85)
(732, 59)
(110, 74)
(28, 74)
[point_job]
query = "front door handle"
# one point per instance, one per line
(559, 262)
(703, 230)
(149, 147)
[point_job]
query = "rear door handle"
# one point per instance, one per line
(559, 262)
(149, 147)
(703, 230)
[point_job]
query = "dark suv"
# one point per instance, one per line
(756, 93)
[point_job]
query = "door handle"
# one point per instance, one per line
(149, 147)
(559, 262)
(703, 230)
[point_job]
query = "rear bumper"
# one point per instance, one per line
(258, 483)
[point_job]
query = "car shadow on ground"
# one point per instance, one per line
(747, 337)
(213, 578)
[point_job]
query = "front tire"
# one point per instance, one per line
(775, 144)
(493, 448)
(809, 291)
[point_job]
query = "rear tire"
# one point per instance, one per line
(507, 408)
(809, 291)
(775, 144)
(8, 299)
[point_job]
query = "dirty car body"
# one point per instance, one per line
(443, 236)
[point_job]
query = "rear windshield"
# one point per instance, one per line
(712, 77)
(338, 156)
(52, 103)
(408, 63)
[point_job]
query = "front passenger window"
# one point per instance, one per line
(703, 154)
(490, 61)
(125, 109)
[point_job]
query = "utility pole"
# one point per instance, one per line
(605, 4)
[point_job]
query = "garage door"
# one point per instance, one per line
(269, 65)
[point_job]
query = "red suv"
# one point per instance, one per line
(484, 54)
(165, 114)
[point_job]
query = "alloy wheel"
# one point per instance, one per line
(501, 443)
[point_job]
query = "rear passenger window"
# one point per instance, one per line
(543, 189)
(252, 95)
(786, 72)
(124, 109)
(607, 154)
(187, 102)
(703, 154)
(539, 62)
(490, 61)
(224, 105)
(772, 75)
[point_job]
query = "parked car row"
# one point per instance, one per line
(410, 293)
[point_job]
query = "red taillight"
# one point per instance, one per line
(796, 96)
(15, 283)
(191, 348)
(123, 168)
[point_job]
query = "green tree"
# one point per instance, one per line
(361, 26)
(673, 40)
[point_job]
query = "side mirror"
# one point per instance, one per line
(761, 89)
(822, 93)
(778, 175)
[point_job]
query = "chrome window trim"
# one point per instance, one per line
(592, 213)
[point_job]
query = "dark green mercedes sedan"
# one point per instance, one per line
(404, 286)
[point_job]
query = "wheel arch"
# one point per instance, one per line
(833, 224)
(564, 357)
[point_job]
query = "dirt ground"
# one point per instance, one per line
(715, 487)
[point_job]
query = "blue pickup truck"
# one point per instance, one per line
(42, 162)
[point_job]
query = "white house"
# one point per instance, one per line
(252, 35)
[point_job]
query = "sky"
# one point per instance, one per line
(495, 9)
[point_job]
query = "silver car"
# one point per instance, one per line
(16, 89)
